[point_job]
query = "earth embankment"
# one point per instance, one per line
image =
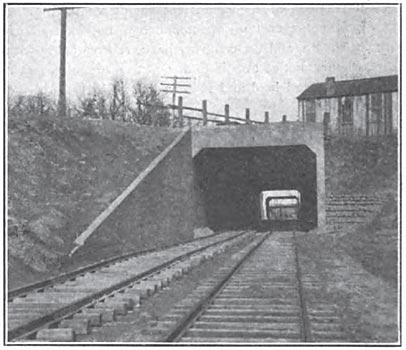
(62, 173)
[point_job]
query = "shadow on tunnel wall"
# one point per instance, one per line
(229, 182)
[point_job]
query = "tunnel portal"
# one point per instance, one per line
(230, 182)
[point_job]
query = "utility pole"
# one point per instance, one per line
(62, 61)
(174, 85)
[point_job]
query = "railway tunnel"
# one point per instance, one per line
(234, 166)
(231, 181)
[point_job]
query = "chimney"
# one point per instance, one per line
(330, 86)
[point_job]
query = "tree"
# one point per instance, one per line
(150, 106)
(39, 104)
(143, 106)
(119, 109)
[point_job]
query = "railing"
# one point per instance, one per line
(205, 117)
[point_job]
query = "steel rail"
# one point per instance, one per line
(185, 323)
(21, 291)
(58, 315)
(305, 325)
(178, 332)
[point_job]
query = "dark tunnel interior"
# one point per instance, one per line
(230, 180)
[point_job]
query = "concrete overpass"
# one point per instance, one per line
(233, 164)
(213, 176)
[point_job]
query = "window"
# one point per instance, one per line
(311, 111)
(280, 204)
(388, 118)
(346, 115)
(376, 115)
(326, 123)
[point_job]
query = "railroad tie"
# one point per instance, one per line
(120, 307)
(108, 314)
(94, 318)
(80, 326)
(106, 283)
(56, 335)
(121, 298)
(129, 293)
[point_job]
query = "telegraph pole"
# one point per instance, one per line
(62, 60)
(175, 85)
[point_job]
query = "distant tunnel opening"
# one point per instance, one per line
(229, 182)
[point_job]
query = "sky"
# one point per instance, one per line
(257, 57)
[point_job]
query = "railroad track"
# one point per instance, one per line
(61, 308)
(258, 296)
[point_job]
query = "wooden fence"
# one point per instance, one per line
(205, 117)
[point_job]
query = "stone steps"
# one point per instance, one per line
(351, 209)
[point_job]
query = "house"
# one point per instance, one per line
(352, 107)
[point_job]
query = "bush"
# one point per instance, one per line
(39, 104)
(93, 106)
(143, 105)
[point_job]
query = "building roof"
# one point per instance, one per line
(350, 87)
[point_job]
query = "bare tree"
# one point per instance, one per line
(39, 104)
(143, 106)
(150, 106)
(119, 109)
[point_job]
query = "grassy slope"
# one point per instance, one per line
(365, 285)
(61, 175)
(365, 300)
(368, 165)
(375, 244)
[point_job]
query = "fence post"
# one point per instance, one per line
(180, 111)
(247, 116)
(139, 110)
(267, 117)
(204, 112)
(227, 113)
(367, 115)
(284, 118)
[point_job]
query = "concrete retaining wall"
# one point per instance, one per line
(158, 212)
(200, 217)
(163, 205)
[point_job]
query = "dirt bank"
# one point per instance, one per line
(61, 175)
